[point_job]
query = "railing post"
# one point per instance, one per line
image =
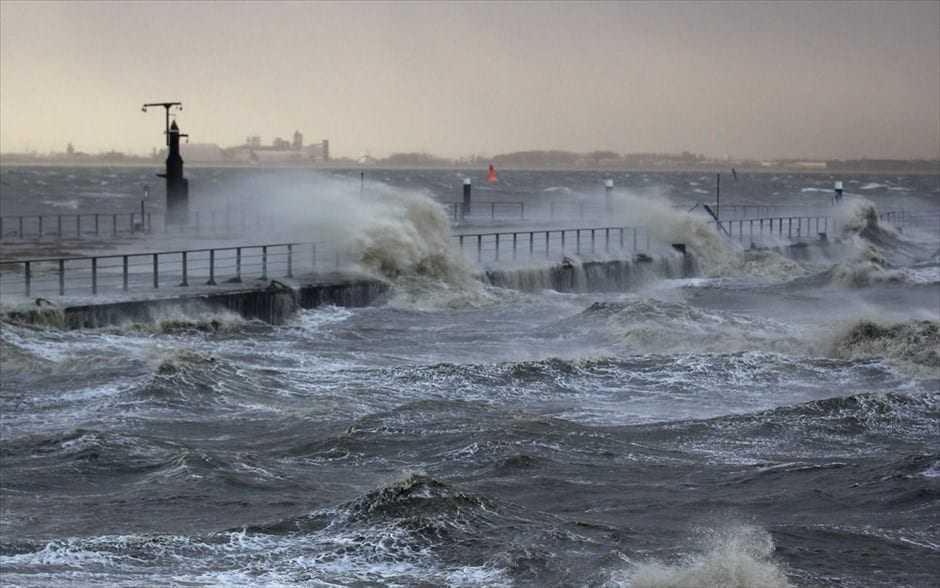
(61, 277)
(479, 248)
(607, 240)
(185, 281)
(22, 236)
(790, 227)
(514, 246)
(460, 238)
(531, 243)
(156, 270)
(124, 272)
(94, 276)
(238, 266)
(548, 236)
(290, 260)
(497, 247)
(264, 262)
(592, 241)
(27, 278)
(562, 241)
(621, 238)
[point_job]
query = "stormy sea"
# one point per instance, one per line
(772, 420)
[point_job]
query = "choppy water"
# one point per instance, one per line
(745, 428)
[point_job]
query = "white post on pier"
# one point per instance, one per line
(609, 190)
(465, 208)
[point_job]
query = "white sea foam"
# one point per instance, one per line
(734, 557)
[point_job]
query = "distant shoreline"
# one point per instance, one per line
(366, 168)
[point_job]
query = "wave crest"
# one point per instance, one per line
(735, 557)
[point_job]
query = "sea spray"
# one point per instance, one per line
(714, 255)
(395, 235)
(733, 557)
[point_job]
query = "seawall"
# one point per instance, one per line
(276, 303)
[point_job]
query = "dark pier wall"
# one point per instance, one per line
(276, 303)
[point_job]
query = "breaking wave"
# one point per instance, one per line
(734, 557)
(654, 326)
(915, 342)
(714, 256)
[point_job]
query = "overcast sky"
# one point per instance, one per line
(782, 79)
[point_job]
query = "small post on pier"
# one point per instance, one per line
(838, 193)
(609, 190)
(718, 197)
(465, 209)
(143, 213)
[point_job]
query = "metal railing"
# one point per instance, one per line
(78, 226)
(791, 227)
(117, 274)
(110, 225)
(495, 247)
(120, 273)
(535, 210)
(758, 211)
(928, 219)
(486, 210)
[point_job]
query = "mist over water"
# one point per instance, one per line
(771, 421)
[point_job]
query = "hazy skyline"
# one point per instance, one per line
(767, 80)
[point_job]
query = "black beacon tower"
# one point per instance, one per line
(177, 187)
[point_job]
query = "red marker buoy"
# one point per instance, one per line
(491, 176)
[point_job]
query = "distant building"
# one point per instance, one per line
(280, 151)
(202, 153)
(318, 151)
(277, 157)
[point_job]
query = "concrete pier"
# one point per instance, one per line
(277, 301)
